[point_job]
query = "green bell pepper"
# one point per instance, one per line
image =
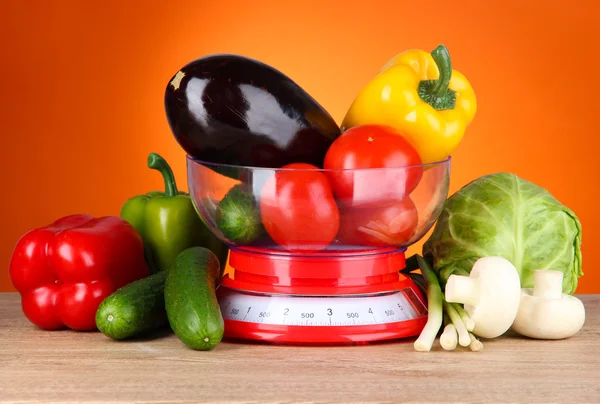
(168, 221)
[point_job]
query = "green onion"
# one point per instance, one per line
(463, 334)
(434, 308)
(469, 323)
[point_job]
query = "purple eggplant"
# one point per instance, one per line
(233, 110)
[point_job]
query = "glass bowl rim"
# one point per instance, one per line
(271, 169)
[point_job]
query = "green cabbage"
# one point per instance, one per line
(504, 215)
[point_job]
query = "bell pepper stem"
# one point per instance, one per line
(437, 93)
(156, 162)
(441, 56)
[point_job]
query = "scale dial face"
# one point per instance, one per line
(320, 311)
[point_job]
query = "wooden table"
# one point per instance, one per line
(61, 366)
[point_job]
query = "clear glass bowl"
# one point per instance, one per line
(309, 211)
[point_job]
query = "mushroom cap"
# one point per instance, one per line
(499, 296)
(548, 318)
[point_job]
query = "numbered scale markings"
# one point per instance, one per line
(320, 311)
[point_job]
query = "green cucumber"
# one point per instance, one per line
(134, 309)
(190, 299)
(238, 216)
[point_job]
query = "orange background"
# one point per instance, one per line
(83, 83)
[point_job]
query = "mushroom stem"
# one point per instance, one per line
(547, 313)
(462, 289)
(547, 284)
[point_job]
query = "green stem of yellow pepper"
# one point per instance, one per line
(441, 56)
(156, 162)
(436, 92)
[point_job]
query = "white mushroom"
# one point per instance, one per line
(490, 294)
(547, 313)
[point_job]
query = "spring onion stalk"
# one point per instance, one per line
(449, 338)
(469, 323)
(434, 307)
(446, 319)
(463, 334)
(475, 344)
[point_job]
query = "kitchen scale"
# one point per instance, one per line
(345, 294)
(320, 299)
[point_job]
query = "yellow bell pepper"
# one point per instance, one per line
(418, 94)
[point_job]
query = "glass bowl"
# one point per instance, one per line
(302, 210)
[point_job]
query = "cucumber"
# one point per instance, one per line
(238, 216)
(190, 299)
(135, 308)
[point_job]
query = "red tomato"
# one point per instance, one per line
(298, 208)
(372, 146)
(392, 225)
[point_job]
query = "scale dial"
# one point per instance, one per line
(321, 319)
(321, 310)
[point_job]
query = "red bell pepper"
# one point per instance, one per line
(65, 270)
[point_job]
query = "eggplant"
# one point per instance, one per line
(233, 110)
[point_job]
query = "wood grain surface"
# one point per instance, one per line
(66, 366)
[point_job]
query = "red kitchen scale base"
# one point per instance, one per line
(320, 299)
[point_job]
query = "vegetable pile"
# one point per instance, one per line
(510, 254)
(234, 115)
(156, 265)
(504, 253)
(303, 208)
